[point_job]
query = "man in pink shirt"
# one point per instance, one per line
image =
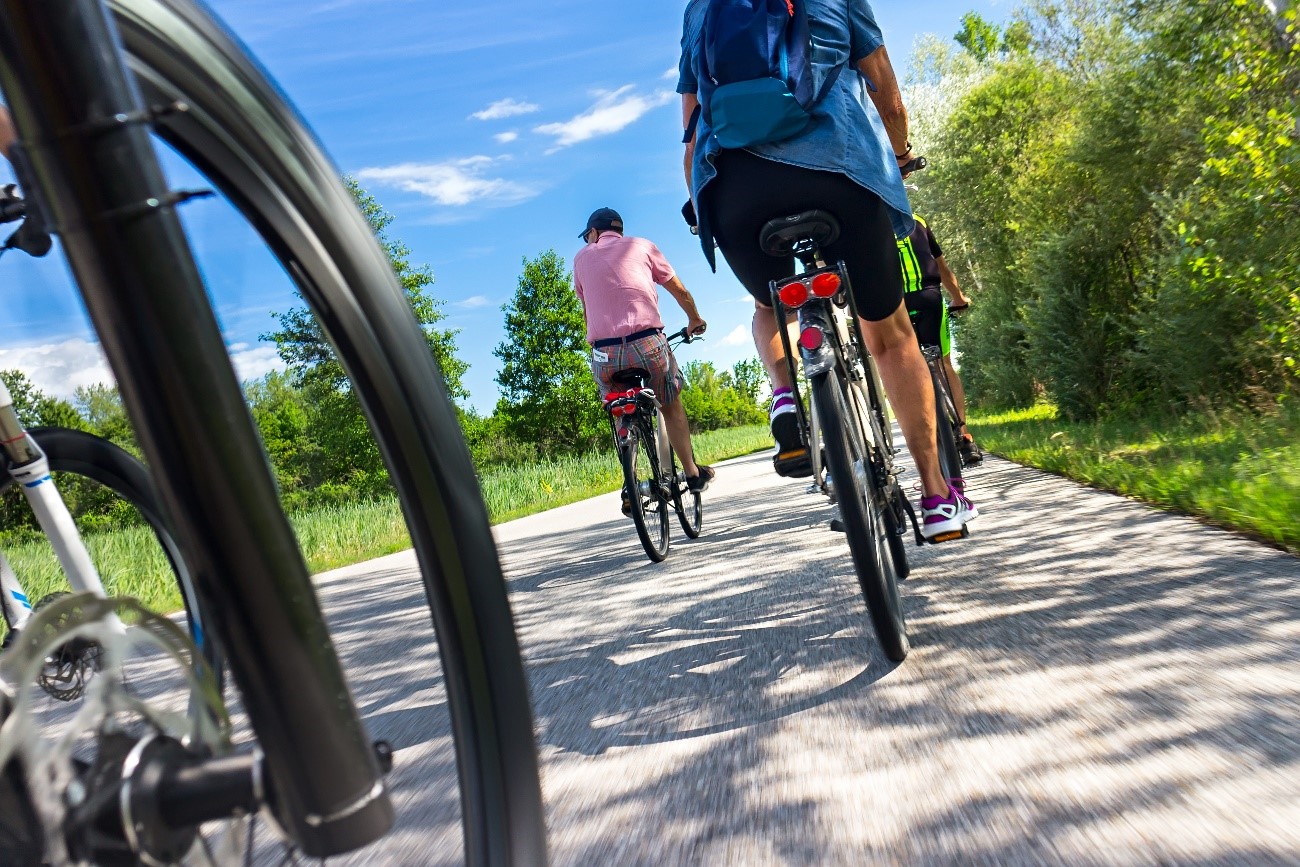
(615, 279)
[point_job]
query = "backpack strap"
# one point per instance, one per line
(692, 124)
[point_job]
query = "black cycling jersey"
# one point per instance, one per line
(918, 253)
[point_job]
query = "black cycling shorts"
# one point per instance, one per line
(750, 190)
(929, 318)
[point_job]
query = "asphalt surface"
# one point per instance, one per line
(1091, 682)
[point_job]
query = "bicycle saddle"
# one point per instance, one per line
(779, 237)
(632, 376)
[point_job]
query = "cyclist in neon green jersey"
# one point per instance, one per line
(924, 272)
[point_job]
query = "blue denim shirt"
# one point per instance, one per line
(846, 134)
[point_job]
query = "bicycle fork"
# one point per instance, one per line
(30, 468)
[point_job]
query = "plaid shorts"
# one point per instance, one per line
(651, 353)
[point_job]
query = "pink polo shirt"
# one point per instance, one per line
(615, 278)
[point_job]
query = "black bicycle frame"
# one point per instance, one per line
(84, 128)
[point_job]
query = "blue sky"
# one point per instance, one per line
(490, 130)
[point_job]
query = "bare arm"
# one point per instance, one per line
(694, 323)
(888, 97)
(689, 103)
(949, 280)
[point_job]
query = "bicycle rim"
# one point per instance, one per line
(846, 452)
(241, 133)
(689, 506)
(649, 507)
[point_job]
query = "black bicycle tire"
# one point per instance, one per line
(945, 423)
(691, 527)
(638, 443)
(95, 458)
(250, 143)
(863, 527)
(893, 514)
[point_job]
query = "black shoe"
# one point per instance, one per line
(699, 484)
(971, 454)
(792, 458)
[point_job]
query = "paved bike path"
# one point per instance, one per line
(1091, 682)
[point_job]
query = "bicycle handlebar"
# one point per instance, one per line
(683, 336)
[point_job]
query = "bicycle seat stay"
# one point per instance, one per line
(787, 236)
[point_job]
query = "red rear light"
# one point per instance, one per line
(811, 338)
(826, 284)
(794, 294)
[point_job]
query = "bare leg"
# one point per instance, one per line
(767, 340)
(679, 434)
(958, 392)
(907, 381)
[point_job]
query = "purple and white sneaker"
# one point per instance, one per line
(941, 516)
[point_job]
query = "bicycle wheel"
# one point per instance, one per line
(238, 130)
(689, 508)
(895, 516)
(642, 486)
(946, 427)
(848, 459)
(118, 485)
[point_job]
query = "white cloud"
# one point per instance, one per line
(504, 108)
(613, 110)
(671, 73)
(473, 302)
(254, 362)
(506, 137)
(738, 336)
(455, 182)
(59, 369)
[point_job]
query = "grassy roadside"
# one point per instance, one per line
(132, 564)
(1236, 470)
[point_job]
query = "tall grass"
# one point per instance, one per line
(1236, 469)
(131, 563)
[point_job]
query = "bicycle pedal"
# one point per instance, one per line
(951, 536)
(794, 464)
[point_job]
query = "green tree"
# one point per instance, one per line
(101, 406)
(302, 344)
(333, 455)
(978, 36)
(548, 398)
(35, 407)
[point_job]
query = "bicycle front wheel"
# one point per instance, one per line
(946, 428)
(688, 504)
(239, 131)
(98, 478)
(642, 488)
(849, 463)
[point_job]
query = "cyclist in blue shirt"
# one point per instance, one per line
(847, 161)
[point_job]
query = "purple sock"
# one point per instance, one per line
(782, 400)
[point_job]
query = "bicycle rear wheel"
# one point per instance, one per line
(848, 459)
(641, 486)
